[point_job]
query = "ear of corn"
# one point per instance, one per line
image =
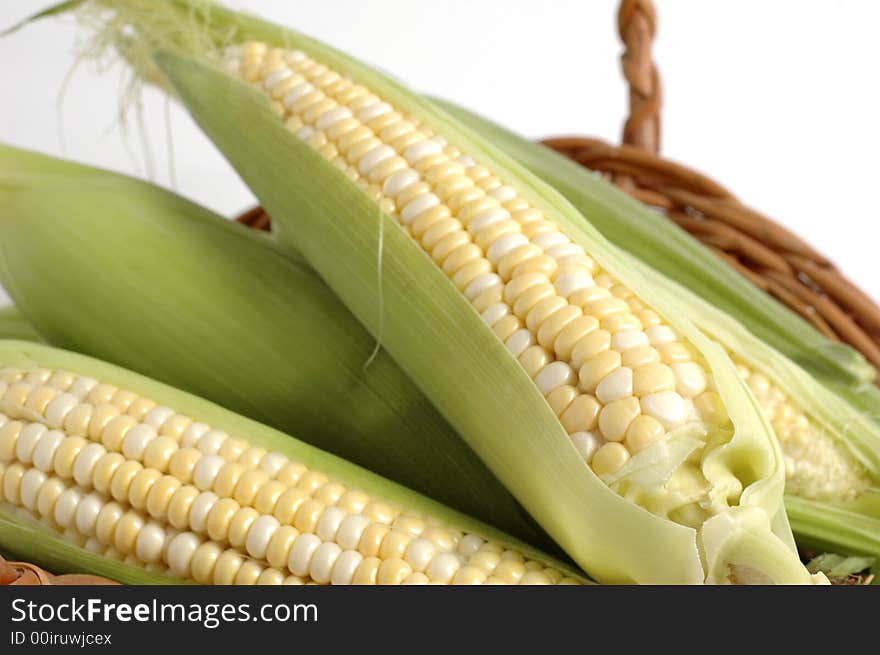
(667, 248)
(703, 503)
(831, 442)
(15, 326)
(180, 285)
(165, 482)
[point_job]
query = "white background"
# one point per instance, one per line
(777, 99)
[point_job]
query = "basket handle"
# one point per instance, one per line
(637, 24)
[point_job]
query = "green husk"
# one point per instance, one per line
(169, 289)
(664, 246)
(837, 522)
(833, 528)
(441, 342)
(15, 326)
(27, 355)
(29, 540)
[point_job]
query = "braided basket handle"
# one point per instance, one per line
(637, 25)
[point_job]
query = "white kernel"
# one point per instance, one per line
(31, 483)
(296, 93)
(564, 250)
(494, 313)
(415, 207)
(466, 160)
(469, 545)
(374, 111)
(180, 553)
(550, 239)
(481, 283)
(587, 443)
(346, 565)
(487, 218)
(328, 524)
(442, 567)
(206, 471)
(87, 513)
(273, 78)
(150, 539)
(193, 433)
(85, 462)
(419, 553)
(295, 56)
(350, 530)
(503, 193)
(66, 506)
(211, 441)
(375, 157)
(323, 560)
(260, 534)
(504, 245)
(27, 441)
(660, 334)
(82, 386)
(570, 283)
(300, 557)
(198, 511)
(44, 452)
(518, 342)
(418, 151)
(136, 440)
(690, 380)
(554, 375)
(399, 182)
(158, 415)
(305, 132)
(616, 385)
(332, 116)
(272, 463)
(667, 407)
(627, 339)
(60, 406)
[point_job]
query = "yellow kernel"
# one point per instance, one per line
(595, 369)
(183, 463)
(249, 484)
(616, 417)
(653, 378)
(581, 415)
(308, 515)
(161, 493)
(158, 452)
(609, 458)
(642, 432)
(288, 505)
(140, 407)
(372, 538)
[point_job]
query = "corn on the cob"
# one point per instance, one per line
(711, 477)
(258, 308)
(166, 483)
(830, 447)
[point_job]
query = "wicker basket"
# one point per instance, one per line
(769, 255)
